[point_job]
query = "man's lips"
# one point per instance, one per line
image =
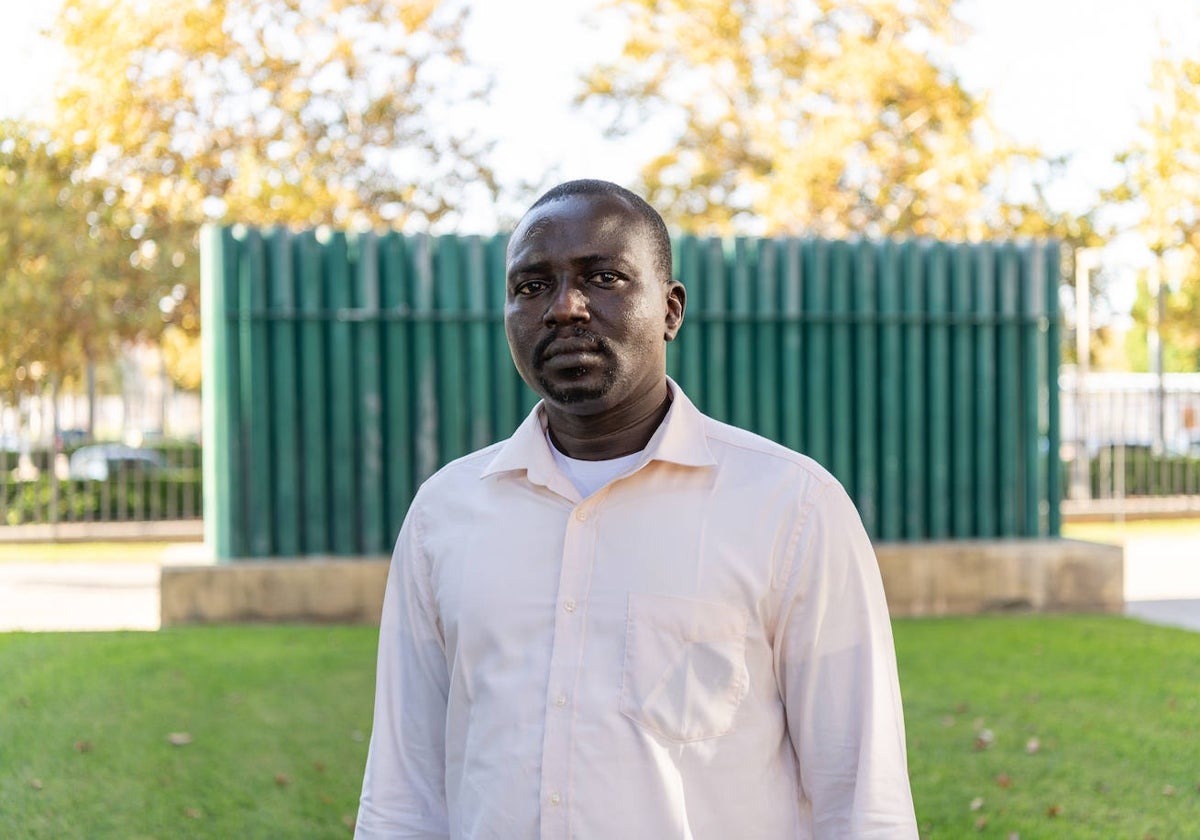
(570, 346)
(575, 346)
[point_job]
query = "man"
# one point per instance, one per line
(629, 620)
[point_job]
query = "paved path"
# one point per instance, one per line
(79, 596)
(1162, 580)
(1177, 612)
(1162, 585)
(87, 596)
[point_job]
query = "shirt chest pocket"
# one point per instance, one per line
(685, 666)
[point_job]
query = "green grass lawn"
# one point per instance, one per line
(1114, 706)
(278, 716)
(278, 719)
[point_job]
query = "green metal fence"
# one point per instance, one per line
(341, 370)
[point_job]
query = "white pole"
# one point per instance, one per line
(1086, 261)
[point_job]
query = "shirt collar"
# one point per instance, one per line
(679, 439)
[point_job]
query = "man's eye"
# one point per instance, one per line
(606, 278)
(529, 287)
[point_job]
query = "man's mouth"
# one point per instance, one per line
(570, 349)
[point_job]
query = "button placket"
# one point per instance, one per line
(565, 658)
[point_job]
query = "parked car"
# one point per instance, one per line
(71, 438)
(102, 461)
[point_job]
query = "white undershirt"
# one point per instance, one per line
(590, 476)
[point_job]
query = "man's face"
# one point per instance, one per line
(586, 313)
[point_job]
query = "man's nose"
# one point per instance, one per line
(568, 305)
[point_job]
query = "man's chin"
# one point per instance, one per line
(583, 393)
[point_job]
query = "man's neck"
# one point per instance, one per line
(598, 437)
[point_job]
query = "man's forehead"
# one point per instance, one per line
(600, 218)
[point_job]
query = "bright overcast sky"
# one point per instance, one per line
(1067, 75)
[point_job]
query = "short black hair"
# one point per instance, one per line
(654, 222)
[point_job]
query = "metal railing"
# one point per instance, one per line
(1141, 438)
(1130, 442)
(99, 482)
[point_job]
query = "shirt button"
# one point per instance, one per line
(560, 700)
(581, 515)
(569, 605)
(555, 799)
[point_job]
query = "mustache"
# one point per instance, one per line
(595, 342)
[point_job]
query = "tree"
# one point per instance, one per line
(69, 290)
(292, 112)
(1162, 184)
(275, 111)
(826, 117)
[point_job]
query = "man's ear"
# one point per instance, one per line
(676, 303)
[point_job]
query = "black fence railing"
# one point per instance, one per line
(101, 482)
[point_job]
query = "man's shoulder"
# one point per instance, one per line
(462, 472)
(732, 443)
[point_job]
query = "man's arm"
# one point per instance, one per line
(404, 788)
(836, 667)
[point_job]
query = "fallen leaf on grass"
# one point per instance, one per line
(984, 739)
(36, 784)
(319, 766)
(23, 701)
(976, 803)
(1004, 780)
(193, 813)
(282, 779)
(326, 799)
(1032, 745)
(960, 707)
(981, 824)
(348, 821)
(1014, 836)
(179, 739)
(948, 721)
(1054, 810)
(83, 746)
(1168, 790)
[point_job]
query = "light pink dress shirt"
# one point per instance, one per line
(700, 649)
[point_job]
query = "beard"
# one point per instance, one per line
(565, 392)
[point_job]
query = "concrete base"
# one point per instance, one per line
(967, 578)
(921, 579)
(331, 590)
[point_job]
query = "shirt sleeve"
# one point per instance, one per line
(404, 788)
(836, 665)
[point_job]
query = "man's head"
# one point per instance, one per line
(590, 301)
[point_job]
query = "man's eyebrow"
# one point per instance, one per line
(596, 259)
(584, 262)
(539, 267)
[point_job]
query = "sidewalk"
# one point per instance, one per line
(87, 596)
(1162, 580)
(1162, 586)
